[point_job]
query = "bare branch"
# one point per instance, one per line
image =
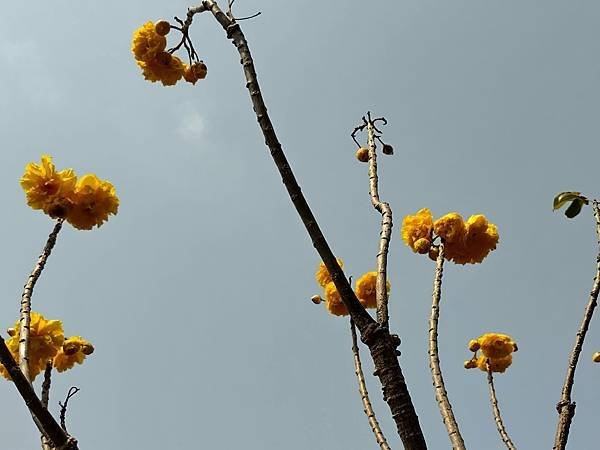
(386, 227)
(499, 424)
(63, 406)
(47, 423)
(381, 344)
(364, 394)
(565, 407)
(26, 300)
(434, 360)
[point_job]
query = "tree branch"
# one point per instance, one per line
(49, 426)
(386, 228)
(565, 407)
(381, 344)
(499, 424)
(364, 394)
(26, 300)
(434, 361)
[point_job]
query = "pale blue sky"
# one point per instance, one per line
(196, 296)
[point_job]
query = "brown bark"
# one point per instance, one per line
(49, 426)
(496, 410)
(381, 344)
(566, 407)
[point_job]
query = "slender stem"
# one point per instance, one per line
(46, 384)
(565, 407)
(386, 229)
(434, 360)
(49, 426)
(499, 424)
(364, 394)
(26, 300)
(381, 344)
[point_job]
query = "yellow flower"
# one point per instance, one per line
(47, 189)
(366, 289)
(450, 227)
(195, 72)
(417, 227)
(147, 43)
(164, 67)
(45, 339)
(333, 301)
(93, 201)
(322, 276)
(73, 350)
(495, 345)
(481, 238)
(496, 364)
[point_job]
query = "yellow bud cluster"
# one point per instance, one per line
(496, 349)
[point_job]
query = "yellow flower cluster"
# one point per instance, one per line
(47, 343)
(365, 290)
(157, 64)
(465, 242)
(496, 348)
(84, 203)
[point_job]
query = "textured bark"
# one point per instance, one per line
(26, 300)
(386, 228)
(434, 361)
(364, 394)
(566, 407)
(381, 344)
(496, 410)
(42, 417)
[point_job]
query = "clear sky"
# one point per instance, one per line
(196, 295)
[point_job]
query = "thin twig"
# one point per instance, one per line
(49, 426)
(364, 394)
(566, 407)
(63, 406)
(434, 360)
(46, 384)
(381, 344)
(26, 300)
(386, 228)
(499, 424)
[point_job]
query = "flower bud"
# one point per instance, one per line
(422, 245)
(70, 347)
(362, 154)
(87, 349)
(11, 331)
(388, 149)
(162, 27)
(316, 299)
(434, 253)
(596, 357)
(474, 345)
(470, 364)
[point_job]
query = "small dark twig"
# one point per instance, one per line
(248, 17)
(46, 384)
(63, 406)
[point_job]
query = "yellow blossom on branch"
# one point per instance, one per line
(164, 67)
(333, 301)
(481, 237)
(450, 227)
(74, 350)
(496, 364)
(417, 227)
(48, 189)
(147, 43)
(45, 339)
(323, 276)
(366, 289)
(496, 345)
(93, 201)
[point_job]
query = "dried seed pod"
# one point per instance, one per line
(316, 299)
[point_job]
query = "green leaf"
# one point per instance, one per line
(565, 197)
(574, 208)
